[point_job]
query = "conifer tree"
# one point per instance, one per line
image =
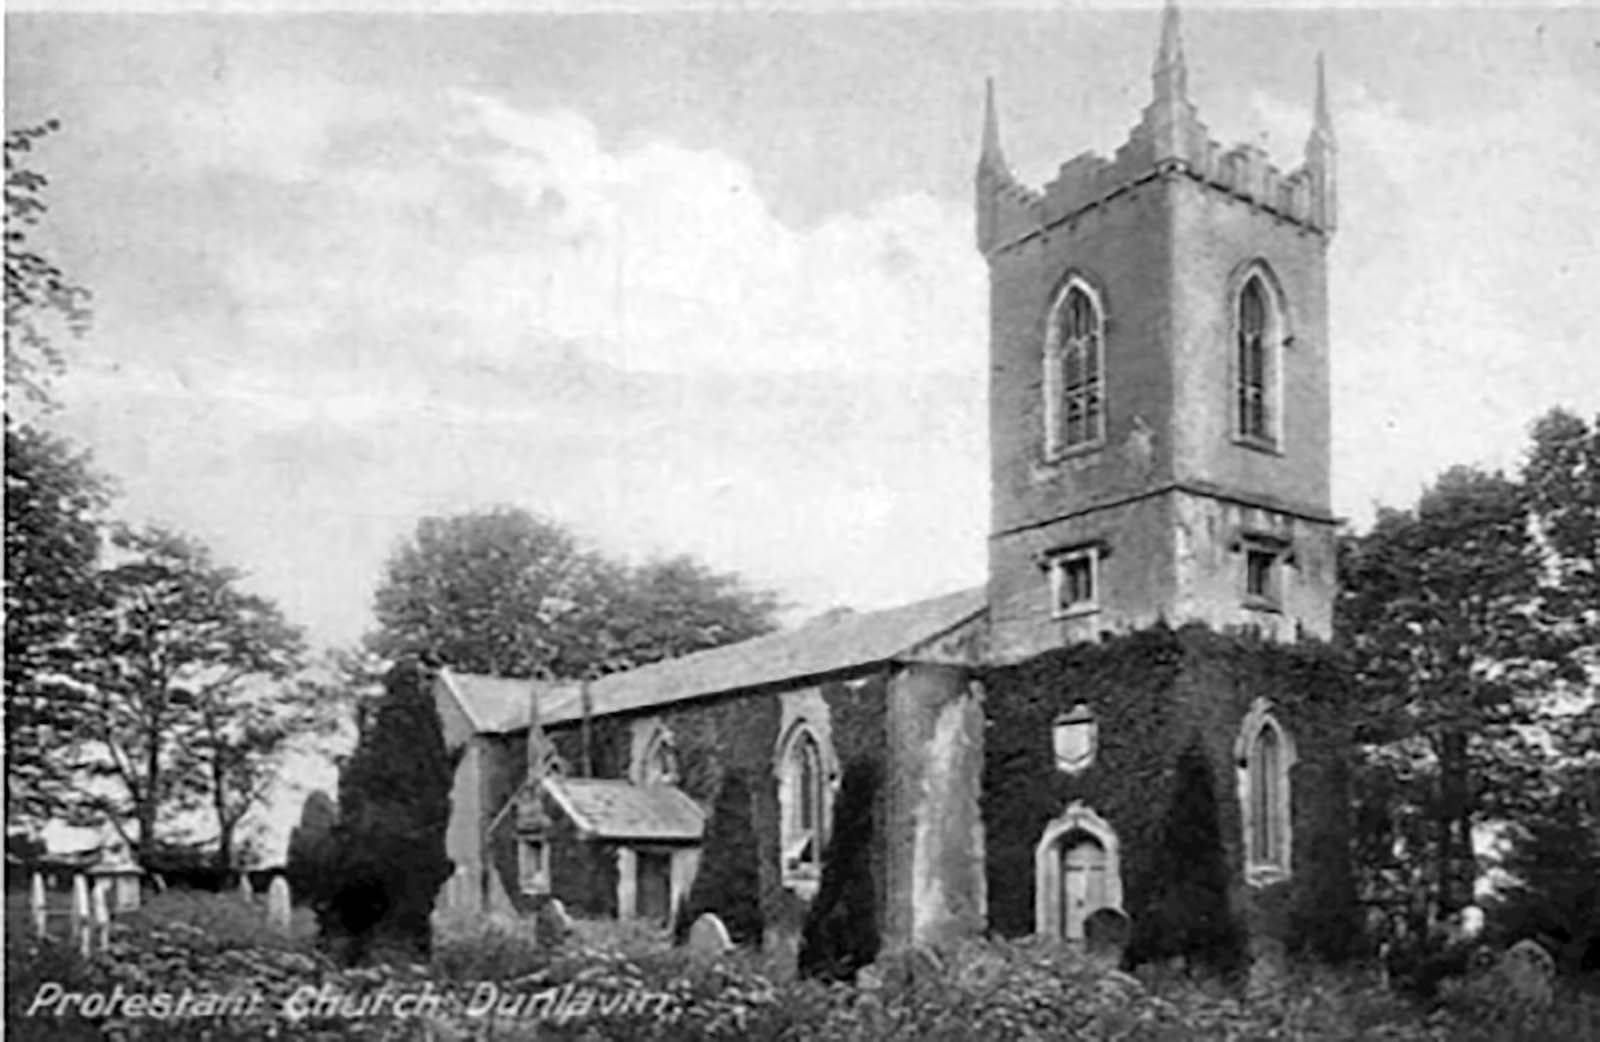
(729, 881)
(841, 932)
(394, 809)
(1190, 914)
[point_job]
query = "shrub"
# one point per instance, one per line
(729, 881)
(311, 856)
(394, 799)
(219, 921)
(1190, 914)
(841, 928)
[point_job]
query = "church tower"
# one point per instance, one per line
(1159, 392)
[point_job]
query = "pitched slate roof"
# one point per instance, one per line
(830, 644)
(496, 704)
(605, 808)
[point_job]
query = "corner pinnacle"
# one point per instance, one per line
(1170, 73)
(990, 154)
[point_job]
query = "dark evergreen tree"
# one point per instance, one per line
(1555, 859)
(1189, 913)
(841, 932)
(311, 861)
(394, 809)
(729, 881)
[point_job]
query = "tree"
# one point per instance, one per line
(394, 810)
(52, 540)
(506, 592)
(37, 292)
(312, 854)
(1442, 615)
(1562, 477)
(841, 932)
(728, 884)
(248, 721)
(1190, 913)
(179, 664)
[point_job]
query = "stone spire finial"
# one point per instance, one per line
(1323, 123)
(1320, 155)
(1170, 74)
(991, 154)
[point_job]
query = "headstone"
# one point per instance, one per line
(100, 914)
(1524, 977)
(1269, 962)
(279, 907)
(1105, 935)
(39, 905)
(80, 913)
(708, 937)
(554, 922)
(245, 890)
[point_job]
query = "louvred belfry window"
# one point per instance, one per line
(1079, 335)
(1254, 379)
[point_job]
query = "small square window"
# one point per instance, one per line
(1261, 575)
(1074, 582)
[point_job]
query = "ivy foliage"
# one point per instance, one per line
(1161, 698)
(842, 932)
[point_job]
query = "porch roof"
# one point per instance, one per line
(605, 808)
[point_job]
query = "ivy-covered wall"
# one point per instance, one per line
(1153, 692)
(712, 737)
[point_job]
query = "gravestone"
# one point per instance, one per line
(1105, 935)
(279, 907)
(1524, 977)
(1269, 963)
(554, 924)
(81, 931)
(245, 891)
(39, 904)
(708, 937)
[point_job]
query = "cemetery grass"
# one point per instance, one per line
(984, 990)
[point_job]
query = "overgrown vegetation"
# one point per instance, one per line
(980, 990)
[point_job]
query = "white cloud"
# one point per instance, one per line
(619, 337)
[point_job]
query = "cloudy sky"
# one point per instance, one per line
(705, 282)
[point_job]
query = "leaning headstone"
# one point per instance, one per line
(708, 937)
(245, 890)
(279, 908)
(1524, 978)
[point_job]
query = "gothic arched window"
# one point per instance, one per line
(1074, 371)
(660, 764)
(1255, 363)
(1265, 800)
(804, 796)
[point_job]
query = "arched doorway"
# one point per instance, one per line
(1077, 872)
(1083, 881)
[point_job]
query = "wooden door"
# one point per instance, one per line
(1083, 883)
(654, 886)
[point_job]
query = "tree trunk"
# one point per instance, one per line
(1457, 866)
